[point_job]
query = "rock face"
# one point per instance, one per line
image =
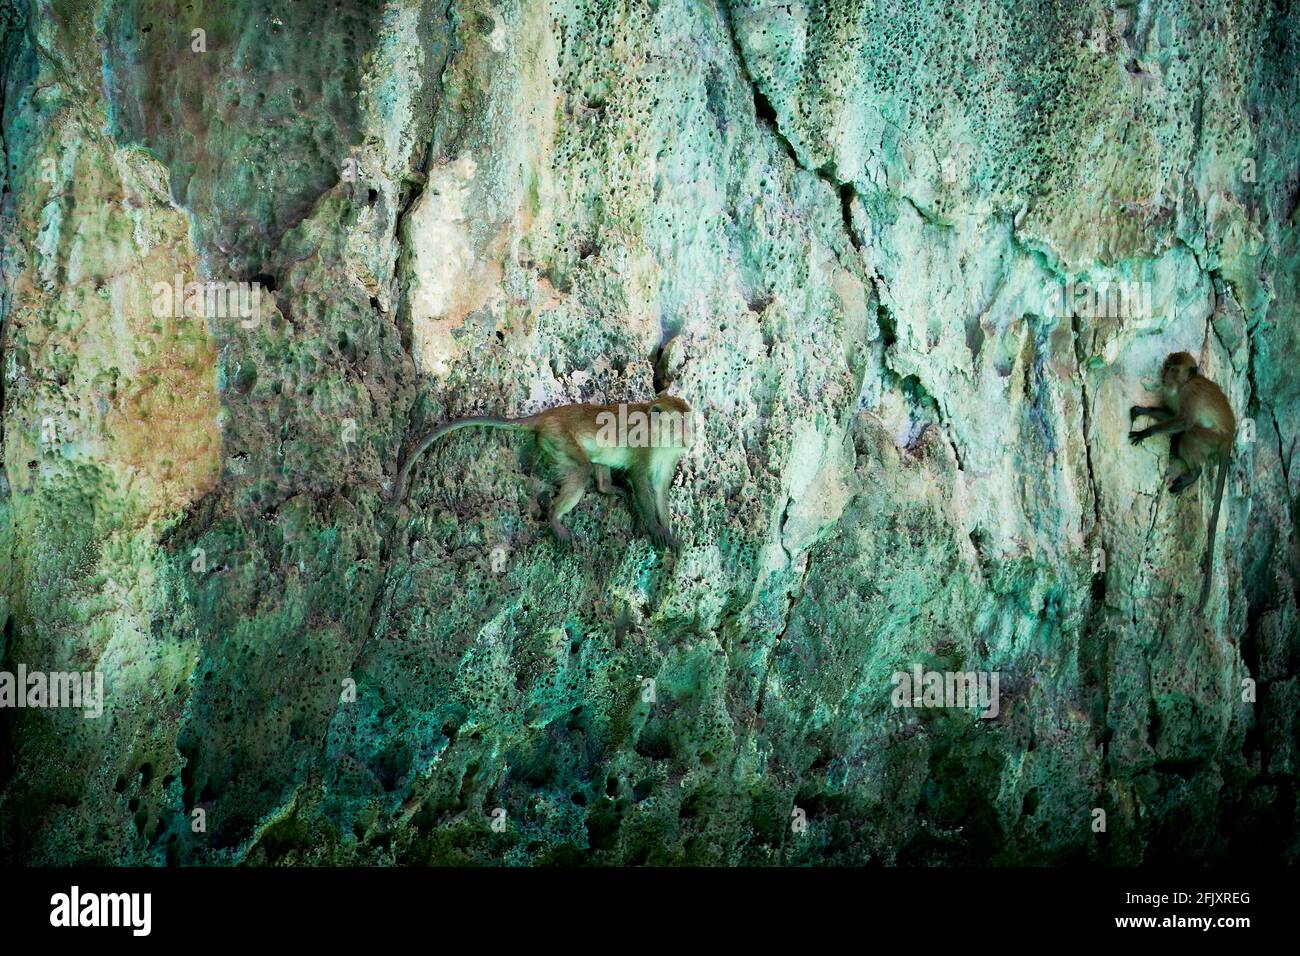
(911, 263)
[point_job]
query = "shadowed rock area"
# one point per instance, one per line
(911, 263)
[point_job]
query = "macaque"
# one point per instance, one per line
(644, 440)
(1196, 415)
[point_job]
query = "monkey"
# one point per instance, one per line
(641, 439)
(1196, 415)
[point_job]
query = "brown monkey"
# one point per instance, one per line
(643, 439)
(1197, 417)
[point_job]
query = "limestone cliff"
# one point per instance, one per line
(910, 260)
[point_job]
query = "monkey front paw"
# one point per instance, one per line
(1134, 411)
(1135, 438)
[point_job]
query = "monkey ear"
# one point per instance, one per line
(1194, 371)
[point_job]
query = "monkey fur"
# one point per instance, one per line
(569, 437)
(1196, 415)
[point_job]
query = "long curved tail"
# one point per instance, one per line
(488, 421)
(1208, 561)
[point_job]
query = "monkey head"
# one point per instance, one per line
(1179, 367)
(678, 418)
(669, 403)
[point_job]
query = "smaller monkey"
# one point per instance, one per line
(1196, 415)
(585, 441)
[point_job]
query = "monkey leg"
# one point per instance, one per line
(643, 497)
(1197, 447)
(647, 505)
(605, 484)
(1183, 480)
(1177, 467)
(1158, 412)
(1171, 427)
(661, 503)
(571, 491)
(572, 462)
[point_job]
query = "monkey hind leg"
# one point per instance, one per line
(1177, 468)
(605, 483)
(647, 507)
(1184, 479)
(575, 468)
(662, 511)
(571, 491)
(1197, 449)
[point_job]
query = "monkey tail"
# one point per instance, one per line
(1208, 561)
(488, 421)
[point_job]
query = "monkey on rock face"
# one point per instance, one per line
(643, 439)
(1196, 415)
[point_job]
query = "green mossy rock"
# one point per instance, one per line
(843, 231)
